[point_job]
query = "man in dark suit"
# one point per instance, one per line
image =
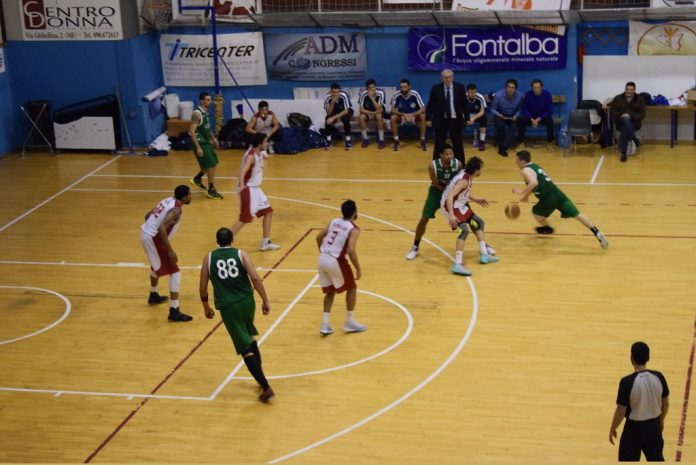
(446, 111)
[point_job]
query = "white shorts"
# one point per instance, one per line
(335, 274)
(253, 203)
(157, 255)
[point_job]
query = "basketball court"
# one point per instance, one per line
(519, 363)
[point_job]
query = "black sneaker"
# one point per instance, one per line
(266, 395)
(198, 183)
(502, 153)
(544, 230)
(176, 315)
(623, 158)
(213, 194)
(155, 299)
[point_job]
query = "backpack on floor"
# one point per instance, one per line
(298, 120)
(291, 141)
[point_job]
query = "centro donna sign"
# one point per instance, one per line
(71, 20)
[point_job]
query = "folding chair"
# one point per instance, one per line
(42, 106)
(579, 124)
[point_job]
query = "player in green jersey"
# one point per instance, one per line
(441, 172)
(550, 198)
(204, 145)
(233, 274)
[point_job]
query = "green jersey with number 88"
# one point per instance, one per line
(229, 277)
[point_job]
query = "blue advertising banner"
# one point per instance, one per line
(316, 57)
(491, 49)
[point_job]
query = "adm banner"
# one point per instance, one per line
(187, 60)
(493, 49)
(71, 19)
(316, 57)
(675, 38)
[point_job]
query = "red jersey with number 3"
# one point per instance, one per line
(335, 242)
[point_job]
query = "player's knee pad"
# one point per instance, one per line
(477, 223)
(175, 282)
(464, 231)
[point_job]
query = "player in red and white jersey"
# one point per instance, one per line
(336, 241)
(161, 223)
(456, 208)
(253, 202)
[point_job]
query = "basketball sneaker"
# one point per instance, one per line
(460, 270)
(413, 253)
(481, 146)
(266, 395)
(544, 229)
(354, 327)
(198, 183)
(381, 144)
(365, 143)
(396, 145)
(215, 195)
(175, 315)
(490, 250)
(268, 246)
(326, 330)
(423, 145)
(602, 240)
(328, 143)
(489, 259)
(349, 144)
(155, 299)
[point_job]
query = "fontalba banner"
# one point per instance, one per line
(316, 57)
(468, 5)
(673, 38)
(187, 60)
(489, 49)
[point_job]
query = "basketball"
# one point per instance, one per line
(512, 211)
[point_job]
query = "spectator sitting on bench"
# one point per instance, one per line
(265, 122)
(371, 104)
(407, 107)
(627, 111)
(506, 108)
(537, 109)
(476, 107)
(338, 108)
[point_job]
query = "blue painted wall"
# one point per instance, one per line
(7, 126)
(69, 72)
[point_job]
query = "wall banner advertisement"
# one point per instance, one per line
(673, 38)
(316, 57)
(70, 19)
(187, 60)
(490, 49)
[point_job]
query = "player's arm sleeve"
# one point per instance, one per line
(623, 396)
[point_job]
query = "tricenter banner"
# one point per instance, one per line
(674, 38)
(71, 19)
(492, 49)
(316, 57)
(187, 60)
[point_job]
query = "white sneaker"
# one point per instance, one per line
(269, 246)
(603, 240)
(326, 330)
(490, 250)
(353, 327)
(413, 253)
(271, 148)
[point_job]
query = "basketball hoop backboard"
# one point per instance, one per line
(179, 15)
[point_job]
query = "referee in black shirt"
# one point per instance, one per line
(643, 399)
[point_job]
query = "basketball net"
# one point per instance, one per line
(158, 13)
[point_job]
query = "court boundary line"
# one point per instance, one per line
(62, 191)
(685, 405)
(404, 336)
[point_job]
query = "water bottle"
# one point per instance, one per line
(476, 137)
(563, 138)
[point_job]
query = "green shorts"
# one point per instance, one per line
(239, 321)
(432, 203)
(557, 202)
(209, 158)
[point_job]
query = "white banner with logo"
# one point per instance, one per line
(674, 38)
(672, 3)
(187, 60)
(236, 11)
(467, 5)
(70, 19)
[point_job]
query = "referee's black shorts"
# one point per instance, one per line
(644, 436)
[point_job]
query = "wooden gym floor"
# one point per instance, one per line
(519, 364)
